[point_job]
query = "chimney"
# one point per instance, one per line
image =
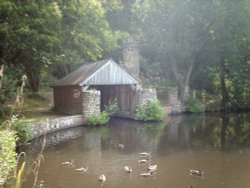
(131, 58)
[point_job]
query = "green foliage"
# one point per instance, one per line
(8, 91)
(194, 105)
(111, 108)
(100, 119)
(8, 154)
(152, 111)
(20, 126)
(104, 116)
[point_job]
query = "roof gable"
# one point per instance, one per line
(105, 72)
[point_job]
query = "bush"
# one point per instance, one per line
(152, 111)
(111, 108)
(100, 119)
(194, 105)
(8, 155)
(20, 126)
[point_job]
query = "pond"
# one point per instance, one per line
(219, 145)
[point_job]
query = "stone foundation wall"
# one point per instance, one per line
(173, 101)
(44, 127)
(91, 103)
(145, 95)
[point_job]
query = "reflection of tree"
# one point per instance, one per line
(225, 131)
(225, 120)
(135, 135)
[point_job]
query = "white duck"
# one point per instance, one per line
(143, 161)
(145, 154)
(152, 167)
(146, 174)
(121, 146)
(69, 163)
(102, 178)
(128, 169)
(82, 169)
(196, 172)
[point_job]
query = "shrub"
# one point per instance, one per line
(100, 119)
(194, 105)
(152, 111)
(20, 126)
(111, 108)
(8, 155)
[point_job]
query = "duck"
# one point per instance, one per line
(146, 174)
(143, 161)
(121, 146)
(196, 172)
(82, 169)
(152, 167)
(102, 178)
(145, 154)
(69, 163)
(128, 169)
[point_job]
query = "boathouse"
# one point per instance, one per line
(91, 87)
(106, 76)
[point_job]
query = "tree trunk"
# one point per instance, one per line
(183, 80)
(224, 92)
(1, 76)
(33, 75)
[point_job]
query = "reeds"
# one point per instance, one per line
(18, 176)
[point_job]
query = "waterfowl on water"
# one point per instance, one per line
(143, 161)
(196, 172)
(69, 163)
(121, 146)
(146, 174)
(145, 154)
(152, 167)
(102, 178)
(128, 169)
(82, 169)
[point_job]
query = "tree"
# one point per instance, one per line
(176, 32)
(229, 44)
(40, 34)
(29, 33)
(85, 34)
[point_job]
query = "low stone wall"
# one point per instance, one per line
(58, 137)
(44, 127)
(91, 100)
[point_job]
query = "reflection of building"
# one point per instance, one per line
(91, 87)
(177, 136)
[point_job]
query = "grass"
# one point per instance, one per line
(37, 109)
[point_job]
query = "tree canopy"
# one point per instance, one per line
(199, 45)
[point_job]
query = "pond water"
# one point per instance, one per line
(217, 144)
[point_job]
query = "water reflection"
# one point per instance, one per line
(216, 143)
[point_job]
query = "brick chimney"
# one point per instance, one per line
(131, 58)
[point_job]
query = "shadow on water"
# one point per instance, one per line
(216, 143)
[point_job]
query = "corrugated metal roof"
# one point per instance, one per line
(104, 72)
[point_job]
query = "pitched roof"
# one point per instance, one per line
(104, 72)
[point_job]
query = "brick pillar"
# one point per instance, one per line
(91, 103)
